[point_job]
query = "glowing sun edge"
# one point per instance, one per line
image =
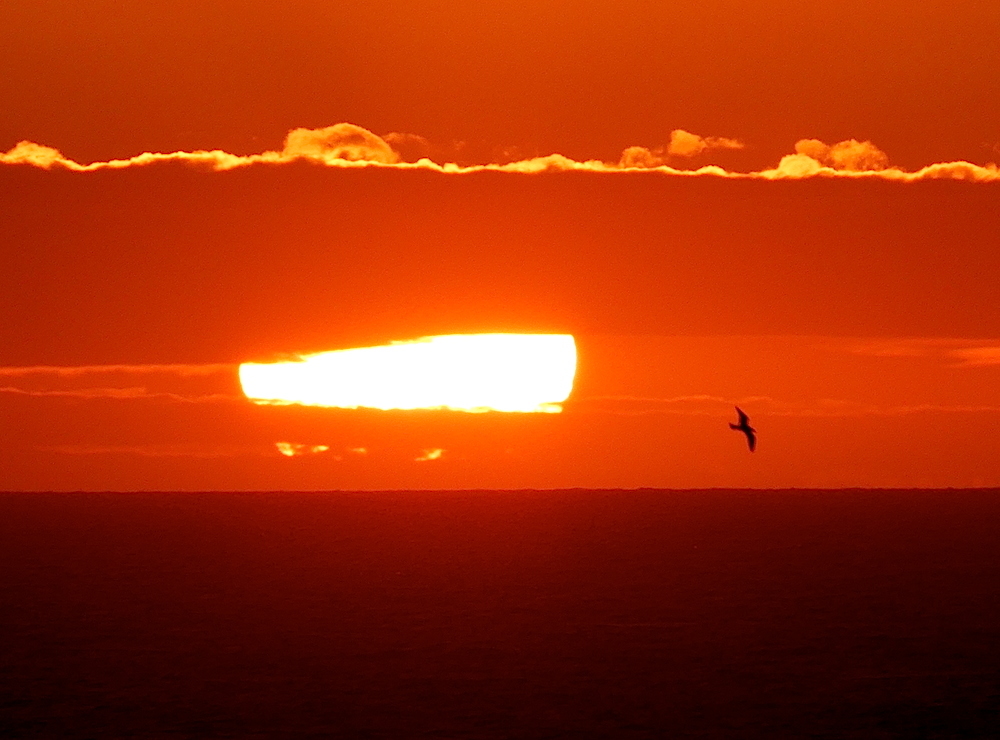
(459, 372)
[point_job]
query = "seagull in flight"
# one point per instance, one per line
(744, 426)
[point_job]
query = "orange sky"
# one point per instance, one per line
(585, 78)
(845, 296)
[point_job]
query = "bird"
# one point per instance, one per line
(744, 426)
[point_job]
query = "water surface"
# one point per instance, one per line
(499, 614)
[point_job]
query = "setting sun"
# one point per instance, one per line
(461, 372)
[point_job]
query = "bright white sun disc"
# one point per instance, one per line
(464, 372)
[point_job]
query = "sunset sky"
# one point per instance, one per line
(793, 208)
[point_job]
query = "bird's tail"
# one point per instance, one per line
(735, 426)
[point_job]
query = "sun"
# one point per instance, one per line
(461, 372)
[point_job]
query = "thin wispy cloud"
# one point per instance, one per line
(685, 144)
(688, 405)
(956, 352)
(129, 394)
(175, 383)
(716, 406)
(977, 356)
(346, 145)
(184, 371)
(408, 147)
(157, 450)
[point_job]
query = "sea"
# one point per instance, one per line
(501, 614)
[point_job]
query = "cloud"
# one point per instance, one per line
(37, 155)
(130, 393)
(815, 158)
(639, 157)
(184, 371)
(342, 141)
(346, 145)
(685, 144)
(294, 449)
(854, 155)
(802, 166)
(892, 346)
(763, 406)
(959, 352)
(689, 405)
(340, 145)
(431, 454)
(28, 152)
(408, 147)
(181, 383)
(155, 450)
(977, 356)
(682, 144)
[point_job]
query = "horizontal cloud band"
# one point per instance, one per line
(345, 145)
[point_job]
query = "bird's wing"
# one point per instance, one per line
(743, 417)
(751, 441)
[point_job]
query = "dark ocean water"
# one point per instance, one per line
(576, 614)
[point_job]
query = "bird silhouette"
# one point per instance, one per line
(744, 426)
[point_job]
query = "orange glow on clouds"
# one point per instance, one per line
(292, 449)
(460, 372)
(432, 454)
(348, 145)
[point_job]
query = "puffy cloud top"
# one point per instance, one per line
(854, 155)
(340, 141)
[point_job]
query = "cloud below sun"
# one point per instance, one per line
(346, 145)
